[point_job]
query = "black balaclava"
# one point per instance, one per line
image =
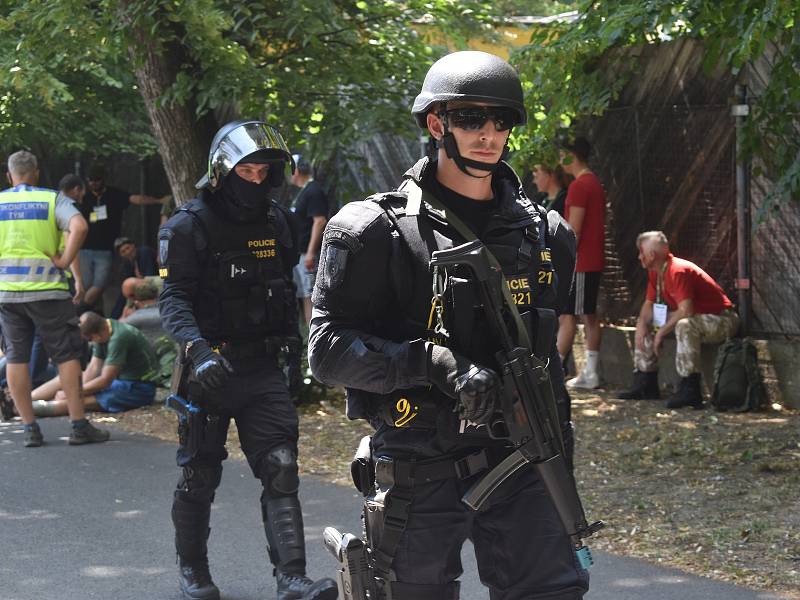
(245, 200)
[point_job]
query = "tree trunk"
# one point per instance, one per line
(182, 138)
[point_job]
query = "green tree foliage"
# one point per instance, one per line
(330, 71)
(532, 8)
(563, 81)
(64, 82)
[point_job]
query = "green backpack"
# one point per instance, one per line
(738, 386)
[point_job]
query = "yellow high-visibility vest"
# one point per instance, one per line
(29, 236)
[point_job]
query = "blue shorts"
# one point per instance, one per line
(124, 395)
(95, 267)
(303, 278)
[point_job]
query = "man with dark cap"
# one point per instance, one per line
(103, 207)
(417, 354)
(229, 301)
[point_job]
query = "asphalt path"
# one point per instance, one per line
(94, 522)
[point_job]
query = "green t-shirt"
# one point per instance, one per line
(129, 350)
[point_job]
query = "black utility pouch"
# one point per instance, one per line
(278, 295)
(362, 469)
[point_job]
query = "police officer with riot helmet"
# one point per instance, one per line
(419, 364)
(228, 300)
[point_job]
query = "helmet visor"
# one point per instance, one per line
(256, 139)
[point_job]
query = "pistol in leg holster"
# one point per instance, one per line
(365, 564)
(196, 426)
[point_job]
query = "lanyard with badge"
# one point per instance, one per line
(100, 212)
(659, 308)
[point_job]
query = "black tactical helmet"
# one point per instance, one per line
(470, 76)
(247, 139)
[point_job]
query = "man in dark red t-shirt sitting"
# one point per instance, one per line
(680, 297)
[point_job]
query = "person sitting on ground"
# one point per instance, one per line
(552, 185)
(138, 262)
(143, 314)
(120, 376)
(128, 289)
(103, 207)
(681, 297)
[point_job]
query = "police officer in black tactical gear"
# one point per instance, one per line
(419, 362)
(229, 301)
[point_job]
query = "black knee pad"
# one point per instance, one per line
(198, 484)
(279, 473)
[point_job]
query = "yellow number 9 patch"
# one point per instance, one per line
(406, 412)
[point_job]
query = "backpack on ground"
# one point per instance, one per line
(738, 386)
(166, 352)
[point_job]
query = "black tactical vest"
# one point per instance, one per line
(244, 294)
(455, 320)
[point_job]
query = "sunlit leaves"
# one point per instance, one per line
(560, 68)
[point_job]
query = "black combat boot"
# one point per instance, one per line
(688, 393)
(645, 387)
(300, 587)
(283, 524)
(191, 542)
(195, 580)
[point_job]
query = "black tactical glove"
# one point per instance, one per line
(475, 387)
(210, 369)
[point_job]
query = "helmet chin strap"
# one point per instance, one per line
(451, 149)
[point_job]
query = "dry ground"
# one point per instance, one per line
(715, 494)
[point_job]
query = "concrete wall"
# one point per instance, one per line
(778, 360)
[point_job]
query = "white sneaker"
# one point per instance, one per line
(585, 381)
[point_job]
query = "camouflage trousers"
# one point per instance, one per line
(690, 334)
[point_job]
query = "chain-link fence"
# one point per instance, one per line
(672, 170)
(675, 170)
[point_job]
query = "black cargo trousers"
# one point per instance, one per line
(522, 550)
(257, 398)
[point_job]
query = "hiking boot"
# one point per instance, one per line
(300, 587)
(6, 405)
(585, 381)
(87, 434)
(195, 581)
(33, 436)
(645, 387)
(688, 393)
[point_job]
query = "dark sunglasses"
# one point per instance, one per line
(474, 118)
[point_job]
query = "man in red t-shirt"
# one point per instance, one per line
(681, 297)
(585, 211)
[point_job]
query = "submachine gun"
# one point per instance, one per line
(529, 417)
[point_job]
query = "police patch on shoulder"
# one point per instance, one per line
(164, 236)
(334, 266)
